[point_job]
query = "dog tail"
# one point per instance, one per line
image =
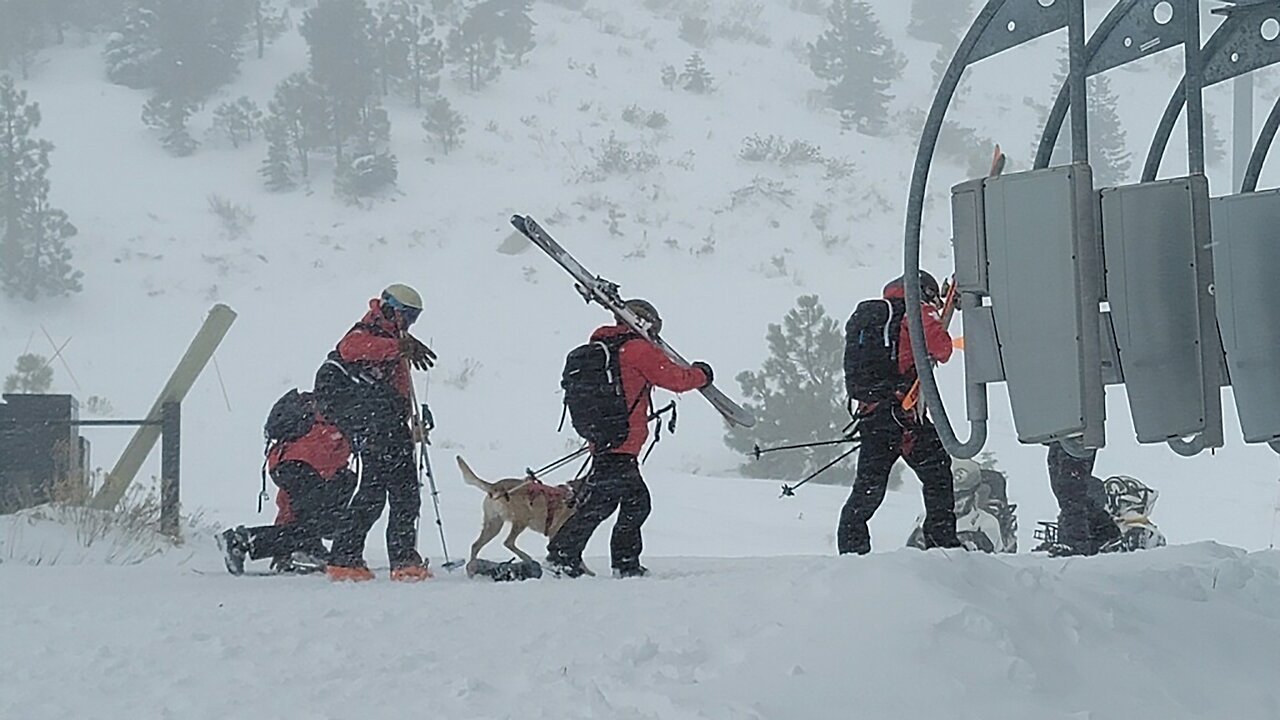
(469, 477)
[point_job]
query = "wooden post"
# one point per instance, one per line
(170, 468)
(184, 376)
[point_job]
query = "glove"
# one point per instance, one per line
(706, 370)
(419, 356)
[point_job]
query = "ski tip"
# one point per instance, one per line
(518, 221)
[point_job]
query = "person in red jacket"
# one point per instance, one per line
(615, 481)
(367, 389)
(315, 484)
(888, 432)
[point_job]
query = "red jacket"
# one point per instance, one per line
(325, 449)
(379, 350)
(645, 366)
(937, 339)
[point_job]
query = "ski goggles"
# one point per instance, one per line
(410, 314)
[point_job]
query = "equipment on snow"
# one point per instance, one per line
(1129, 503)
(509, 571)
(985, 519)
(234, 544)
(594, 288)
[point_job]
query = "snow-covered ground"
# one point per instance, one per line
(749, 615)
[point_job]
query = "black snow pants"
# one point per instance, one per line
(613, 484)
(885, 438)
(1084, 524)
(387, 475)
(319, 508)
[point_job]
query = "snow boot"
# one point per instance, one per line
(349, 573)
(234, 543)
(630, 572)
(566, 568)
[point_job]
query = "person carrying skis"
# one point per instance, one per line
(614, 481)
(1084, 525)
(879, 370)
(367, 389)
(310, 468)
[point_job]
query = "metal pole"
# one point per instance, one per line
(170, 466)
(1076, 79)
(1193, 88)
(1242, 130)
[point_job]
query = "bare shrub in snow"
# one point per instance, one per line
(463, 376)
(615, 157)
(238, 120)
(638, 116)
(762, 188)
(234, 218)
(776, 149)
(741, 22)
(444, 125)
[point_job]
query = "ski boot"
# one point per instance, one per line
(235, 545)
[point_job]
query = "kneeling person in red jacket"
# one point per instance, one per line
(614, 481)
(314, 480)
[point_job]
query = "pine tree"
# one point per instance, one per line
(339, 35)
(169, 115)
(696, 78)
(183, 48)
(277, 169)
(798, 395)
(1109, 149)
(473, 47)
(410, 57)
(300, 111)
(444, 124)
(940, 22)
(514, 28)
(858, 62)
(238, 120)
(32, 375)
(34, 257)
(22, 33)
(268, 23)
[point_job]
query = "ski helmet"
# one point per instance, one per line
(966, 476)
(929, 289)
(403, 299)
(646, 312)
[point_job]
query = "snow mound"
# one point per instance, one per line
(1189, 631)
(59, 534)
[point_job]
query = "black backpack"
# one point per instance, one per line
(353, 398)
(871, 350)
(593, 394)
(291, 417)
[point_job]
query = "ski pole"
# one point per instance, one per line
(426, 422)
(557, 464)
(790, 490)
(848, 434)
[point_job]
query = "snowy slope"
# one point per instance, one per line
(749, 616)
(1189, 632)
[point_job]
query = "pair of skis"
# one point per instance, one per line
(594, 288)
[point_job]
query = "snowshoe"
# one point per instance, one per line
(508, 571)
(234, 543)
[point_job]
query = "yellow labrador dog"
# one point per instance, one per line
(525, 503)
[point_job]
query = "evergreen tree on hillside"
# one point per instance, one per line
(23, 26)
(300, 113)
(443, 124)
(859, 64)
(1109, 148)
(410, 56)
(169, 115)
(798, 395)
(696, 77)
(32, 374)
(492, 30)
(340, 38)
(238, 120)
(34, 257)
(940, 22)
(268, 22)
(277, 169)
(183, 48)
